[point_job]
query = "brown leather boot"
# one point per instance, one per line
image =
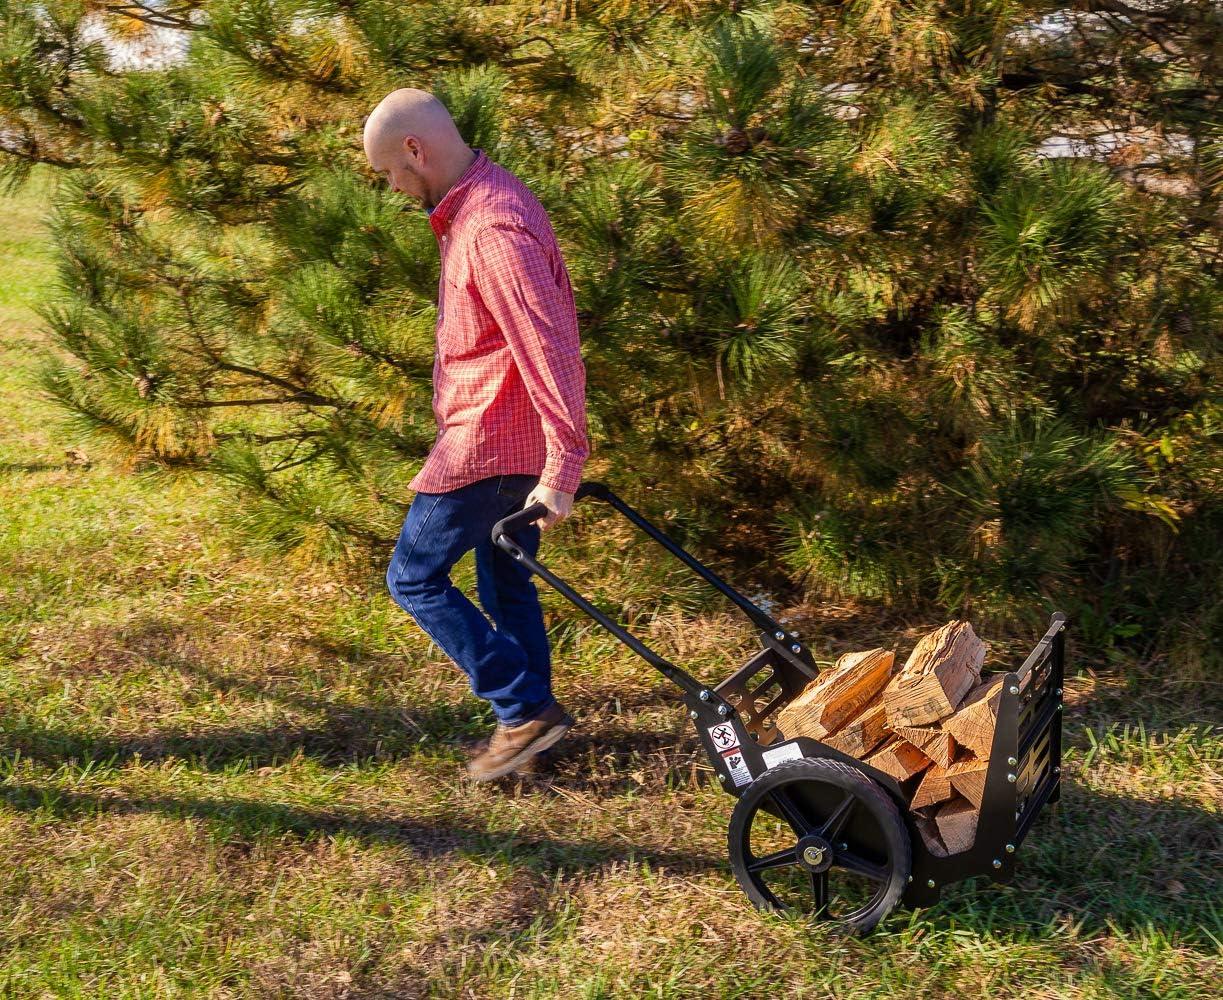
(474, 750)
(510, 748)
(537, 765)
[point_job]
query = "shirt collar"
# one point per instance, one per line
(443, 211)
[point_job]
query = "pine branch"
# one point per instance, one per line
(534, 38)
(209, 404)
(1029, 77)
(301, 394)
(159, 17)
(30, 151)
(291, 463)
(297, 393)
(297, 435)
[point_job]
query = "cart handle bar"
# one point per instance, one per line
(772, 633)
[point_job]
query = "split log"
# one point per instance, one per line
(968, 778)
(942, 668)
(929, 833)
(899, 758)
(862, 734)
(837, 695)
(933, 741)
(957, 824)
(972, 725)
(935, 787)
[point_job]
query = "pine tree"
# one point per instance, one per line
(832, 291)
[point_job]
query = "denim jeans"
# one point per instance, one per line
(510, 665)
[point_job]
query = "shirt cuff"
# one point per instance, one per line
(563, 472)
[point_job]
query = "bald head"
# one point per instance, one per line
(412, 140)
(410, 112)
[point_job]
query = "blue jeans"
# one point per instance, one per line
(509, 666)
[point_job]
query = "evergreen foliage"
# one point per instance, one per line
(830, 289)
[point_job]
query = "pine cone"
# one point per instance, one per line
(735, 141)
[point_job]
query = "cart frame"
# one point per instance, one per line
(1024, 766)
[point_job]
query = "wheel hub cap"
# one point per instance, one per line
(815, 853)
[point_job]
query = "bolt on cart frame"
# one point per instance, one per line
(846, 818)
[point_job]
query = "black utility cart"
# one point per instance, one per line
(815, 830)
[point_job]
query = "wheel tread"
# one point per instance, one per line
(817, 769)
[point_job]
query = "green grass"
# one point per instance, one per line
(228, 777)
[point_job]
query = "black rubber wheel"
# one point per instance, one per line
(841, 852)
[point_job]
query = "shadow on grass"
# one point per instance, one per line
(607, 750)
(249, 819)
(1102, 862)
(603, 758)
(348, 734)
(610, 754)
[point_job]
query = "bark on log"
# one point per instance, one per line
(942, 668)
(862, 734)
(929, 833)
(837, 695)
(972, 725)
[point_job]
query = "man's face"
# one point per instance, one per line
(396, 163)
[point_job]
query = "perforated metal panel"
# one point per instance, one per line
(760, 689)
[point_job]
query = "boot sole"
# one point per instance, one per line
(537, 745)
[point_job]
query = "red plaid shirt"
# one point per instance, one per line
(509, 385)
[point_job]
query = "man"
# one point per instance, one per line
(509, 398)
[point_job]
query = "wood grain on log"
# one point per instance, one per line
(837, 695)
(942, 668)
(863, 733)
(899, 758)
(968, 778)
(933, 741)
(972, 725)
(935, 787)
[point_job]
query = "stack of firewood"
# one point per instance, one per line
(930, 725)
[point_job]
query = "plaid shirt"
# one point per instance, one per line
(509, 385)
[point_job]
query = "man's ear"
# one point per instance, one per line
(411, 145)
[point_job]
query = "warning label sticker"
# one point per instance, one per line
(723, 736)
(737, 766)
(775, 755)
(727, 744)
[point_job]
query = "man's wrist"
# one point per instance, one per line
(563, 475)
